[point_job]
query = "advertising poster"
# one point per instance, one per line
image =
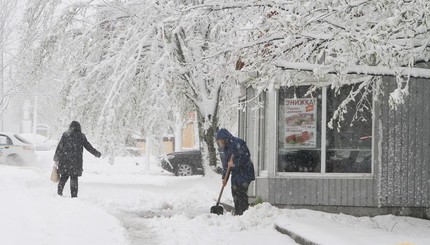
(300, 123)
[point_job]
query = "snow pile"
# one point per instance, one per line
(256, 226)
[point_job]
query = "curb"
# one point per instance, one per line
(299, 239)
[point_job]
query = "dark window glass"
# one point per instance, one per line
(349, 143)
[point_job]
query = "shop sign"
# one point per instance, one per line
(300, 123)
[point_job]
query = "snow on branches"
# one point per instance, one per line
(365, 34)
(128, 64)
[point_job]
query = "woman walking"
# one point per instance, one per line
(68, 157)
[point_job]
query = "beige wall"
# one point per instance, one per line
(167, 146)
(188, 136)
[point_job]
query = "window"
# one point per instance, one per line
(307, 144)
(242, 119)
(299, 127)
(349, 145)
(252, 119)
(261, 132)
(4, 140)
(251, 105)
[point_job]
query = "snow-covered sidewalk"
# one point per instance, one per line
(123, 204)
(159, 208)
(332, 229)
(32, 213)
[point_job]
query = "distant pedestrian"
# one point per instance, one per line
(68, 157)
(235, 154)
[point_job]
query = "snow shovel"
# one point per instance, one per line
(217, 209)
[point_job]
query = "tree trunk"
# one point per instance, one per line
(178, 132)
(207, 137)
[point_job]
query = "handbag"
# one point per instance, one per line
(55, 177)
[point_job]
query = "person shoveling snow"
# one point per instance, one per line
(235, 154)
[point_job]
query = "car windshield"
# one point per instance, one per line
(22, 139)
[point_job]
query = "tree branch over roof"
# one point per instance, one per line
(357, 69)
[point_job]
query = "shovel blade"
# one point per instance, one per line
(217, 210)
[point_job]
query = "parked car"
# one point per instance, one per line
(183, 163)
(15, 150)
(40, 142)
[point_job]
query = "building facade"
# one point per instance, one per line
(367, 164)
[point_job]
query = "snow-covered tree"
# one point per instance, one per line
(7, 13)
(204, 66)
(128, 65)
(116, 83)
(139, 62)
(367, 37)
(40, 74)
(289, 42)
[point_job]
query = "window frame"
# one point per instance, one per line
(242, 120)
(262, 114)
(254, 132)
(323, 173)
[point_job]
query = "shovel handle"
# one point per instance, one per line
(227, 175)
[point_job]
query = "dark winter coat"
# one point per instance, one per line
(70, 148)
(243, 170)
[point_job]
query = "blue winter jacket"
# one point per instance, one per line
(243, 171)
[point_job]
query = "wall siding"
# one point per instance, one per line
(405, 143)
(419, 132)
(317, 191)
(425, 145)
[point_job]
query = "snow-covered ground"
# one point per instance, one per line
(120, 204)
(328, 229)
(123, 204)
